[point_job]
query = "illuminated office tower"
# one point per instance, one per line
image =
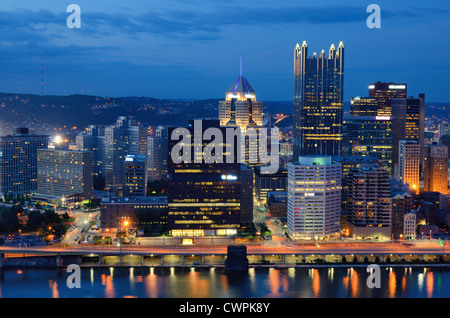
(318, 101)
(241, 109)
(203, 198)
(94, 140)
(363, 106)
(135, 175)
(157, 154)
(409, 164)
(384, 92)
(408, 118)
(65, 174)
(314, 198)
(369, 202)
(369, 136)
(124, 138)
(436, 168)
(18, 162)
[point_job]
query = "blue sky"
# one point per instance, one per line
(191, 49)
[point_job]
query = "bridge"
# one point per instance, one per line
(92, 255)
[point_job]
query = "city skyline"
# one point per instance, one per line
(124, 52)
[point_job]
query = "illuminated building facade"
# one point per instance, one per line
(436, 168)
(314, 198)
(135, 175)
(369, 202)
(94, 140)
(241, 109)
(203, 198)
(363, 106)
(409, 164)
(384, 92)
(369, 136)
(65, 174)
(318, 101)
(408, 118)
(157, 155)
(124, 138)
(269, 182)
(18, 162)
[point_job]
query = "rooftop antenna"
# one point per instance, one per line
(240, 69)
(42, 73)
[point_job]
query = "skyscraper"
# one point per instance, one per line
(135, 175)
(369, 136)
(157, 154)
(435, 175)
(318, 101)
(65, 173)
(363, 106)
(409, 164)
(124, 138)
(94, 140)
(203, 198)
(408, 118)
(18, 162)
(240, 107)
(314, 197)
(369, 202)
(384, 92)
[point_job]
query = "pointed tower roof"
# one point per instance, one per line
(241, 85)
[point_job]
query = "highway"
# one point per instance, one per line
(350, 248)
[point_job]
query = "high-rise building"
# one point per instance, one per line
(314, 198)
(369, 202)
(18, 162)
(204, 196)
(363, 106)
(241, 109)
(318, 101)
(269, 182)
(409, 164)
(135, 175)
(408, 118)
(369, 136)
(401, 205)
(157, 154)
(384, 92)
(435, 175)
(94, 140)
(124, 138)
(65, 174)
(246, 178)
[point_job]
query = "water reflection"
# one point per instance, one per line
(205, 283)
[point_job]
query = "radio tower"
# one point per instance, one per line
(42, 73)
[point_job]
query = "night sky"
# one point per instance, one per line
(191, 49)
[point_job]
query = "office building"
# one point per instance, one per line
(135, 175)
(246, 204)
(18, 162)
(363, 106)
(369, 136)
(409, 230)
(384, 93)
(314, 198)
(157, 155)
(120, 212)
(401, 205)
(409, 164)
(94, 140)
(269, 182)
(124, 138)
(436, 168)
(204, 195)
(277, 204)
(318, 101)
(65, 174)
(369, 202)
(408, 118)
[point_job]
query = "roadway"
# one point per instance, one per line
(331, 248)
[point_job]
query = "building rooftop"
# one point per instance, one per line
(134, 200)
